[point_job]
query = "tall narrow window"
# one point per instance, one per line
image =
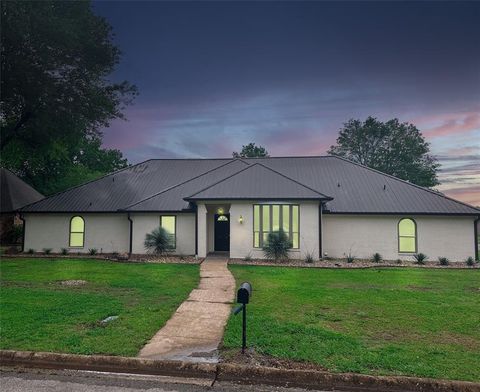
(268, 218)
(407, 236)
(77, 232)
(168, 222)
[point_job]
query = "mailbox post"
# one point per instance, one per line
(243, 298)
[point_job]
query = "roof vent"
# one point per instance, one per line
(384, 187)
(338, 184)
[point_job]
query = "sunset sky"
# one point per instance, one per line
(213, 76)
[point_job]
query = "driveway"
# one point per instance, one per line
(196, 329)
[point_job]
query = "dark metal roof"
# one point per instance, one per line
(162, 185)
(257, 182)
(15, 193)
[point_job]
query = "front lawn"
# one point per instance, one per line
(418, 322)
(42, 312)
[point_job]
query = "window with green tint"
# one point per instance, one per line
(168, 222)
(77, 232)
(407, 236)
(269, 218)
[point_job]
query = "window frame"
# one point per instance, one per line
(261, 232)
(174, 247)
(415, 236)
(70, 232)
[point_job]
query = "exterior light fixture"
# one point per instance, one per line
(220, 211)
(240, 219)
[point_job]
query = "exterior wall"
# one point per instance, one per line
(363, 235)
(241, 234)
(202, 230)
(105, 232)
(144, 223)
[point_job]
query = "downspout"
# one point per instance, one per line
(196, 231)
(475, 238)
(320, 222)
(23, 231)
(130, 245)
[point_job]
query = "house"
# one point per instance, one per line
(327, 205)
(14, 194)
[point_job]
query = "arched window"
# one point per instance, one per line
(77, 232)
(407, 236)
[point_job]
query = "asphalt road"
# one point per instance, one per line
(35, 380)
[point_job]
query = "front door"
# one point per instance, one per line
(222, 232)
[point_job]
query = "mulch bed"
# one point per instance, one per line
(339, 263)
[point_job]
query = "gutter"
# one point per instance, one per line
(130, 245)
(20, 216)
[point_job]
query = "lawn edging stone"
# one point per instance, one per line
(233, 372)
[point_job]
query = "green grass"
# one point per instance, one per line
(38, 313)
(418, 322)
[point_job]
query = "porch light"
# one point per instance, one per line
(220, 211)
(240, 219)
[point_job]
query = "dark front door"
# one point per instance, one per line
(222, 232)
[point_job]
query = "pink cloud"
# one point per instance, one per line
(448, 123)
(470, 195)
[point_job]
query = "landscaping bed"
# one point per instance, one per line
(342, 263)
(86, 306)
(395, 321)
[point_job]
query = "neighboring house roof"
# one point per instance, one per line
(168, 185)
(258, 182)
(15, 193)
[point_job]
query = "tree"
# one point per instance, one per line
(251, 151)
(394, 148)
(56, 96)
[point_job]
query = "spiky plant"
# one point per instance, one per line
(158, 241)
(377, 257)
(92, 251)
(469, 261)
(309, 259)
(47, 251)
(420, 258)
(443, 261)
(64, 251)
(350, 258)
(277, 246)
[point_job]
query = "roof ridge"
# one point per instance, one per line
(266, 167)
(85, 183)
(405, 182)
(182, 183)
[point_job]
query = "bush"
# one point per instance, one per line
(443, 261)
(47, 251)
(377, 257)
(309, 259)
(277, 246)
(248, 257)
(158, 241)
(31, 251)
(92, 251)
(420, 258)
(350, 258)
(64, 251)
(470, 262)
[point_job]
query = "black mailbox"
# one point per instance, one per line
(244, 293)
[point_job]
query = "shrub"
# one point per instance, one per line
(443, 261)
(377, 257)
(309, 259)
(350, 258)
(469, 261)
(158, 241)
(31, 251)
(47, 251)
(64, 251)
(248, 257)
(420, 258)
(92, 251)
(277, 246)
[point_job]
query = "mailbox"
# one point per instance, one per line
(244, 293)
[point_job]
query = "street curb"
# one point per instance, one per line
(232, 372)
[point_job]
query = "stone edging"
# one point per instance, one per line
(233, 372)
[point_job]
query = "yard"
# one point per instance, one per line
(42, 312)
(418, 322)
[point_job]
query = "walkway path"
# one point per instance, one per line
(196, 328)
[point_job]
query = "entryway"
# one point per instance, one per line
(222, 232)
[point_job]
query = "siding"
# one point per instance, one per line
(105, 232)
(363, 235)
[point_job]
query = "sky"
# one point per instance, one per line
(213, 76)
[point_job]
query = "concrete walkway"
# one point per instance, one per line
(196, 328)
